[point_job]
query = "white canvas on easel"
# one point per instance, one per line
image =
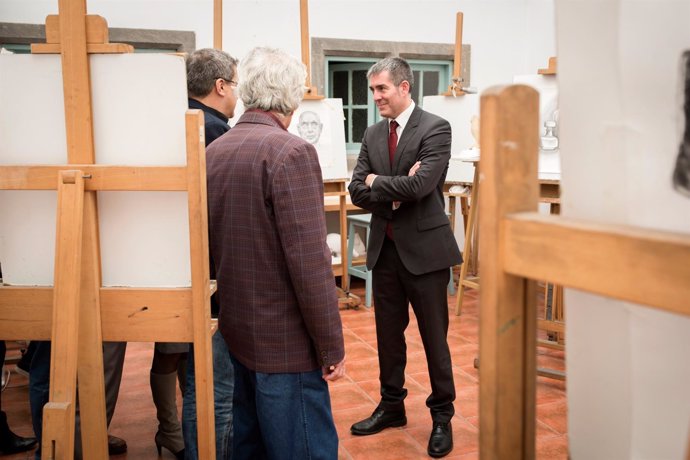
(330, 144)
(138, 120)
(459, 112)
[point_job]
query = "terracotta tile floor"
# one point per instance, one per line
(353, 397)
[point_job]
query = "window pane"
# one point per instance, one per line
(415, 88)
(340, 86)
(359, 124)
(430, 83)
(346, 121)
(360, 87)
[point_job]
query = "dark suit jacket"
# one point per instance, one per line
(421, 229)
(278, 301)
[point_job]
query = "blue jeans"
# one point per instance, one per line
(282, 416)
(223, 384)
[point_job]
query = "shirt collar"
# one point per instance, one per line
(404, 117)
(195, 104)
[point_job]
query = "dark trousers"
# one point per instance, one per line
(39, 386)
(394, 289)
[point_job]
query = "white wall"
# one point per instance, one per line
(628, 368)
(508, 37)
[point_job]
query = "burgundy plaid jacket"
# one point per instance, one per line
(278, 301)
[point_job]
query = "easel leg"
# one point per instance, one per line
(90, 358)
(469, 234)
(58, 420)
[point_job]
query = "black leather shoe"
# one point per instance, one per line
(10, 443)
(378, 421)
(441, 440)
(116, 446)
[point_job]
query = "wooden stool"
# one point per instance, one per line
(360, 268)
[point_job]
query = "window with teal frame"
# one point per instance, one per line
(347, 80)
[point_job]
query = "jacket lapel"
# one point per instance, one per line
(382, 147)
(407, 134)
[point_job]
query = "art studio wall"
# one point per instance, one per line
(508, 37)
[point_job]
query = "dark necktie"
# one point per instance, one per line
(392, 140)
(392, 144)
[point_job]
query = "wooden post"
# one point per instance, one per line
(87, 350)
(201, 314)
(58, 427)
(455, 87)
(218, 24)
(312, 92)
(507, 346)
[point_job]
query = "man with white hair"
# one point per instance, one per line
(278, 304)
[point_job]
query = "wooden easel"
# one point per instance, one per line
(455, 88)
(519, 245)
(332, 187)
(77, 313)
(336, 187)
(312, 92)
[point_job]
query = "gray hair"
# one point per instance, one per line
(204, 67)
(397, 67)
(271, 80)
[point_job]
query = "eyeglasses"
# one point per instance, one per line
(231, 82)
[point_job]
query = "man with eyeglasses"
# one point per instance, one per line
(211, 85)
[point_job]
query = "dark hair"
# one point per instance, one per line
(397, 67)
(204, 67)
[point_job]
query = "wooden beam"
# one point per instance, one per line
(311, 92)
(509, 145)
(218, 24)
(201, 296)
(102, 178)
(90, 352)
(96, 37)
(455, 87)
(91, 48)
(648, 267)
(127, 314)
(66, 300)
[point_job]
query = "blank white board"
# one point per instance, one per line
(139, 103)
(459, 112)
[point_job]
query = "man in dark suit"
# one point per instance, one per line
(278, 304)
(399, 178)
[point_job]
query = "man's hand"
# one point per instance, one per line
(414, 168)
(412, 172)
(333, 373)
(370, 180)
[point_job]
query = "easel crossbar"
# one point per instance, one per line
(648, 267)
(127, 314)
(96, 177)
